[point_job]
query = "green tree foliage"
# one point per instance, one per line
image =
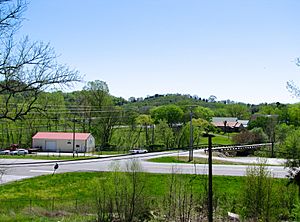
(164, 134)
(238, 110)
(199, 127)
(291, 150)
(104, 115)
(282, 131)
(267, 123)
(145, 122)
(121, 197)
(203, 113)
(171, 113)
(294, 114)
(261, 201)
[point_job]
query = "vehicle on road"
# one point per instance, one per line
(19, 152)
(4, 152)
(138, 151)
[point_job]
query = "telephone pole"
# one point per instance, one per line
(73, 137)
(210, 184)
(191, 136)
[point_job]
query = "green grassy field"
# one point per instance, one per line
(61, 157)
(70, 196)
(40, 157)
(196, 160)
(185, 159)
(218, 139)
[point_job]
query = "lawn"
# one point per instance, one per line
(198, 160)
(185, 159)
(46, 157)
(219, 139)
(70, 196)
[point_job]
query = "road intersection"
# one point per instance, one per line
(17, 169)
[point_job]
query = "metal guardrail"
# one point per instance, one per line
(238, 147)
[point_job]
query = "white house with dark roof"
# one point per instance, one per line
(63, 142)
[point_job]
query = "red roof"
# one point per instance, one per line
(228, 124)
(60, 136)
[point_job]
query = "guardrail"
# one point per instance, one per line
(238, 147)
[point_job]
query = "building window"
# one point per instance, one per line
(68, 142)
(77, 146)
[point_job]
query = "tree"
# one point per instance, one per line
(291, 150)
(145, 121)
(104, 115)
(238, 110)
(26, 68)
(256, 135)
(203, 113)
(97, 93)
(165, 134)
(171, 113)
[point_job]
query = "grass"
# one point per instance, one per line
(197, 160)
(219, 139)
(110, 152)
(80, 185)
(67, 196)
(56, 157)
(40, 157)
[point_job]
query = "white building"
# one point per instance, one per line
(63, 142)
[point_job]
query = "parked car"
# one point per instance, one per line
(19, 152)
(4, 152)
(138, 151)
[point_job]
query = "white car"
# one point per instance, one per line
(138, 151)
(19, 152)
(4, 152)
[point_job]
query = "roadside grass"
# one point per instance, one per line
(46, 157)
(198, 160)
(110, 152)
(81, 185)
(71, 196)
(60, 157)
(218, 139)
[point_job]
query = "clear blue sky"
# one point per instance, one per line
(242, 50)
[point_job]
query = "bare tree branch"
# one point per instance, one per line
(26, 68)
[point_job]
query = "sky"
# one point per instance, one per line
(242, 50)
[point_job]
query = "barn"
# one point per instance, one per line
(63, 142)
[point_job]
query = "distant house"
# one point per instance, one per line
(229, 124)
(63, 142)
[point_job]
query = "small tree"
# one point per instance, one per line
(257, 194)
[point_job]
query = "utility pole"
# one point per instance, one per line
(152, 135)
(210, 184)
(191, 136)
(73, 137)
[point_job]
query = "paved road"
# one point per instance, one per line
(31, 168)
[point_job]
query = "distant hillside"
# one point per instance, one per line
(177, 99)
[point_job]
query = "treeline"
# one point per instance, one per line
(160, 121)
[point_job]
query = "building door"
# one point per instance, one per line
(51, 146)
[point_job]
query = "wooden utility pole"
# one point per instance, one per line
(74, 138)
(210, 184)
(191, 137)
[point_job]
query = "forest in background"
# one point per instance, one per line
(155, 122)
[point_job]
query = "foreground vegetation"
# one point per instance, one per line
(134, 196)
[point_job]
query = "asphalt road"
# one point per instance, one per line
(16, 169)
